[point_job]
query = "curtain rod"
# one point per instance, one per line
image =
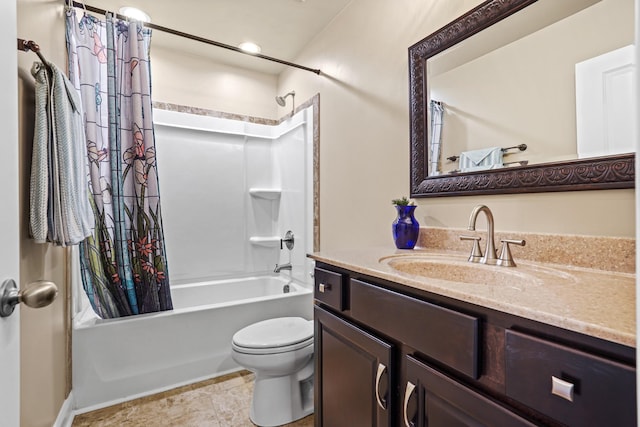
(196, 38)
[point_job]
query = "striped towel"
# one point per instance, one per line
(60, 211)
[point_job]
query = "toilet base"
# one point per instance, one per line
(281, 400)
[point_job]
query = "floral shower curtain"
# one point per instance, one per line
(124, 267)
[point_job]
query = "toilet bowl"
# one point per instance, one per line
(280, 354)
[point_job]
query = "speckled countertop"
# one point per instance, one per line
(593, 302)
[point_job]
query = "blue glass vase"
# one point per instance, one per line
(405, 228)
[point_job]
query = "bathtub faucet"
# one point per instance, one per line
(280, 267)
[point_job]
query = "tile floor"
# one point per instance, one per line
(219, 402)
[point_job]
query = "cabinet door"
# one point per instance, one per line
(433, 399)
(354, 383)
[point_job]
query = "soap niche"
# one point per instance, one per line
(264, 195)
(265, 203)
(266, 213)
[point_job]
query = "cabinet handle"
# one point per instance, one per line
(324, 287)
(407, 395)
(381, 370)
(562, 388)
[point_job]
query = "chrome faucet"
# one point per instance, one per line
(280, 267)
(490, 250)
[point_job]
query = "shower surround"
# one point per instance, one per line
(231, 189)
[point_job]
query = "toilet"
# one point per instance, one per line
(280, 353)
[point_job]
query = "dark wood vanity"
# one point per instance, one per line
(388, 354)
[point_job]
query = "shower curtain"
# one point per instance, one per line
(435, 146)
(123, 263)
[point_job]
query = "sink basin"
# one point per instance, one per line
(461, 271)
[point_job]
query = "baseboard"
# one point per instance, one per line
(66, 414)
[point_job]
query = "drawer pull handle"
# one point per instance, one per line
(381, 369)
(407, 395)
(324, 287)
(562, 388)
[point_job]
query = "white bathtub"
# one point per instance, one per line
(120, 359)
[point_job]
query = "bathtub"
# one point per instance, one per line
(115, 360)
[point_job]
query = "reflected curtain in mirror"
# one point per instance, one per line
(435, 147)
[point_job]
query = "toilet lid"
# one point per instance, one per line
(274, 333)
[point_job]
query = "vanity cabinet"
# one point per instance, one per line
(392, 355)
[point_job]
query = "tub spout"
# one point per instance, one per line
(280, 267)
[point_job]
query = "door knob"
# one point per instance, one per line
(36, 294)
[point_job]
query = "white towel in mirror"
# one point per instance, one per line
(476, 160)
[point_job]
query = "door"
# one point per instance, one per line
(9, 227)
(354, 384)
(605, 104)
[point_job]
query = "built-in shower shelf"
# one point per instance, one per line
(269, 241)
(265, 193)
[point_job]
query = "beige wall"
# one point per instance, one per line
(44, 365)
(188, 79)
(364, 131)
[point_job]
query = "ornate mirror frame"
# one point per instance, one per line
(616, 171)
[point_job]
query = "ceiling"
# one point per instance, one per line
(281, 27)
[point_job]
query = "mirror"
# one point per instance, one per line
(536, 121)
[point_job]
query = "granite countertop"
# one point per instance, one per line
(593, 302)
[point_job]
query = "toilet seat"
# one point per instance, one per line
(274, 336)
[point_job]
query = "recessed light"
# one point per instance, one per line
(250, 47)
(134, 13)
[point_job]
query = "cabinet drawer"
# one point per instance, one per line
(329, 288)
(444, 335)
(571, 386)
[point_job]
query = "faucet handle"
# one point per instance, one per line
(476, 252)
(288, 240)
(506, 259)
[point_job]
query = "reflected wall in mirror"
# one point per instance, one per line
(504, 75)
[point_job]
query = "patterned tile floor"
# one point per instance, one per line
(219, 402)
